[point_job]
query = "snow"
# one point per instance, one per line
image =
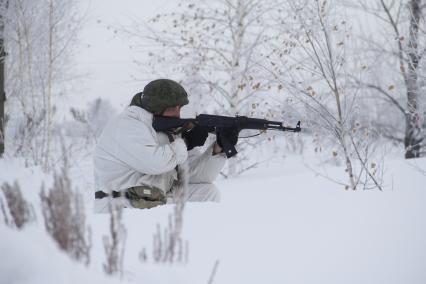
(106, 56)
(273, 225)
(310, 231)
(278, 223)
(30, 256)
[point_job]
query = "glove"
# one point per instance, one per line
(195, 137)
(231, 134)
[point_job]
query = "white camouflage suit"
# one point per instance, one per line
(130, 153)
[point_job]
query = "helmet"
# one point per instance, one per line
(161, 94)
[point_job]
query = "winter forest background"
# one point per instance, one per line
(341, 202)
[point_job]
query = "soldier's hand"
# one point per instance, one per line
(195, 137)
(230, 134)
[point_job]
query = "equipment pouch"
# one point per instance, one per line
(145, 196)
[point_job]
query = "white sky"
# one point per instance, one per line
(105, 57)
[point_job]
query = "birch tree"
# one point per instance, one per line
(42, 36)
(213, 47)
(311, 60)
(3, 9)
(395, 54)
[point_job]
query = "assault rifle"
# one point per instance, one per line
(214, 122)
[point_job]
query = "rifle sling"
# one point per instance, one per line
(100, 194)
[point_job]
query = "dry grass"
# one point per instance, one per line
(16, 210)
(64, 217)
(114, 244)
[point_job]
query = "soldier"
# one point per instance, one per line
(137, 167)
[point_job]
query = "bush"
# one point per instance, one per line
(114, 244)
(17, 212)
(64, 218)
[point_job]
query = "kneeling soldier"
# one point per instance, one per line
(140, 168)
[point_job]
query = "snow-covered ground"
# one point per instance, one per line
(278, 223)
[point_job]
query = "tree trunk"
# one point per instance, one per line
(48, 100)
(235, 73)
(2, 91)
(2, 99)
(413, 133)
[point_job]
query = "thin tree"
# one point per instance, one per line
(3, 8)
(213, 47)
(41, 43)
(404, 45)
(310, 60)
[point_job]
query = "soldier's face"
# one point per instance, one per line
(172, 112)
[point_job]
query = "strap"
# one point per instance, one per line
(170, 136)
(100, 194)
(171, 139)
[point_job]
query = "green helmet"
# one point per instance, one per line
(159, 95)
